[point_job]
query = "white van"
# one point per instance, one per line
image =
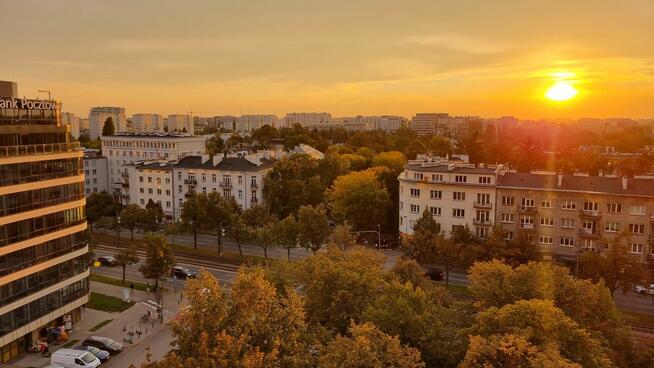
(70, 358)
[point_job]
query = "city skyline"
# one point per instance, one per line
(216, 58)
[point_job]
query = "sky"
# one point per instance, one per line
(215, 57)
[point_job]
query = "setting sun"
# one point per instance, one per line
(561, 91)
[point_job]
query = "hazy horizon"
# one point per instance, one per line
(348, 58)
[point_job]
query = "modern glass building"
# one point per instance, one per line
(43, 254)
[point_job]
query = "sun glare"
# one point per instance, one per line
(561, 91)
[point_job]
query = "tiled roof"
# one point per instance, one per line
(587, 184)
(227, 164)
(456, 169)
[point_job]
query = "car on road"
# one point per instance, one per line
(183, 273)
(435, 274)
(103, 355)
(107, 260)
(104, 343)
(649, 289)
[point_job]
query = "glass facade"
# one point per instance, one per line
(39, 198)
(29, 228)
(29, 117)
(31, 256)
(27, 172)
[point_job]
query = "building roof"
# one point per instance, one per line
(155, 165)
(226, 164)
(150, 135)
(445, 169)
(586, 184)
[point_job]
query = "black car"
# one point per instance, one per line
(434, 274)
(107, 260)
(104, 343)
(182, 273)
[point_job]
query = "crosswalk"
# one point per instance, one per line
(152, 305)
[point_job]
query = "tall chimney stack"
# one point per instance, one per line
(559, 180)
(624, 183)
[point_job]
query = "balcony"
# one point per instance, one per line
(527, 226)
(483, 205)
(527, 209)
(589, 214)
(226, 184)
(190, 182)
(39, 149)
(481, 222)
(254, 186)
(190, 193)
(589, 233)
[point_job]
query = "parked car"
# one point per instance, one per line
(103, 355)
(434, 274)
(649, 289)
(72, 358)
(183, 273)
(107, 260)
(104, 343)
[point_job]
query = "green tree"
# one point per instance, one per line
(264, 237)
(393, 160)
(153, 216)
(368, 347)
(291, 183)
(132, 217)
(159, 259)
(264, 135)
(359, 193)
(257, 216)
(342, 237)
(238, 231)
(125, 257)
(313, 227)
(286, 234)
(108, 127)
(219, 211)
(194, 215)
(100, 205)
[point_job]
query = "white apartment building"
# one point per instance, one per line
(248, 123)
(307, 119)
(387, 123)
(147, 122)
(180, 123)
(152, 180)
(96, 173)
(98, 115)
(122, 150)
(73, 122)
(455, 193)
(425, 123)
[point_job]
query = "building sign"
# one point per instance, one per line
(18, 103)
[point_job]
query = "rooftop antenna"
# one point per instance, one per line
(44, 91)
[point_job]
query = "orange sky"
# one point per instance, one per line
(488, 58)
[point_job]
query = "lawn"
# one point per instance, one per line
(118, 282)
(100, 325)
(107, 303)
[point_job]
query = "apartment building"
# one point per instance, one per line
(561, 214)
(425, 123)
(307, 119)
(170, 183)
(566, 214)
(455, 193)
(98, 116)
(43, 266)
(121, 150)
(96, 172)
(248, 123)
(180, 123)
(147, 122)
(73, 123)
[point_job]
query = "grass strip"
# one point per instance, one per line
(100, 325)
(107, 303)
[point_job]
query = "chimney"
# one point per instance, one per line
(559, 180)
(217, 159)
(205, 158)
(624, 183)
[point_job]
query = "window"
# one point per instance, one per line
(435, 194)
(483, 198)
(149, 190)
(414, 208)
(460, 179)
(240, 180)
(436, 177)
(213, 178)
(611, 227)
(95, 171)
(591, 206)
(240, 194)
(458, 212)
(141, 179)
(614, 207)
(508, 235)
(547, 221)
(142, 190)
(149, 179)
(459, 196)
(167, 192)
(508, 201)
(167, 180)
(204, 177)
(159, 191)
(435, 211)
(482, 216)
(481, 232)
(638, 210)
(415, 192)
(636, 248)
(545, 239)
(142, 201)
(569, 205)
(484, 180)
(636, 228)
(567, 241)
(567, 223)
(589, 243)
(588, 225)
(507, 218)
(546, 203)
(180, 189)
(168, 204)
(527, 222)
(158, 181)
(528, 202)
(417, 176)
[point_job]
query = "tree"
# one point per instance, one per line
(219, 211)
(616, 267)
(393, 160)
(342, 237)
(100, 205)
(368, 347)
(194, 216)
(125, 257)
(108, 127)
(153, 215)
(238, 231)
(264, 135)
(132, 217)
(440, 146)
(291, 183)
(359, 193)
(159, 259)
(257, 216)
(313, 227)
(264, 237)
(286, 234)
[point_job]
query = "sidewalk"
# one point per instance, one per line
(118, 329)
